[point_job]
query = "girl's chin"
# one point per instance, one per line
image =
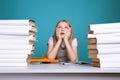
(62, 36)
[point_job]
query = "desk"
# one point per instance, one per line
(59, 72)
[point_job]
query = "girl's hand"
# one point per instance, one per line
(58, 34)
(67, 35)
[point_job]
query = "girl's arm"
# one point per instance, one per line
(52, 50)
(71, 51)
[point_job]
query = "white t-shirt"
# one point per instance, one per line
(62, 55)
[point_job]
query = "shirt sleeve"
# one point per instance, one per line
(75, 42)
(50, 41)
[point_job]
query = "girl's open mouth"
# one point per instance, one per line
(62, 33)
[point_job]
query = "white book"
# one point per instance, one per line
(106, 31)
(5, 46)
(14, 64)
(13, 60)
(107, 59)
(14, 22)
(27, 37)
(14, 32)
(108, 46)
(14, 27)
(105, 26)
(103, 35)
(109, 50)
(13, 56)
(108, 40)
(8, 52)
(109, 64)
(13, 41)
(108, 56)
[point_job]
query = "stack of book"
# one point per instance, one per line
(16, 41)
(104, 44)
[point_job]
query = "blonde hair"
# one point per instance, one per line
(55, 37)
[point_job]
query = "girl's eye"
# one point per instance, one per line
(66, 27)
(59, 26)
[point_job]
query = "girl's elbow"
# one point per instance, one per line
(49, 56)
(73, 59)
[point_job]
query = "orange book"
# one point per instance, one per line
(42, 60)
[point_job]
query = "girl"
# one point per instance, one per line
(62, 45)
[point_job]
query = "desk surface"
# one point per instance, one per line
(58, 68)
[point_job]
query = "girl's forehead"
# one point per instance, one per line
(63, 23)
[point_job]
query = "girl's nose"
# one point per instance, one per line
(62, 29)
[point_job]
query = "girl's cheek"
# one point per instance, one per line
(66, 30)
(58, 29)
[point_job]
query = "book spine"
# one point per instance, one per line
(13, 60)
(16, 47)
(104, 46)
(100, 40)
(14, 56)
(7, 52)
(14, 37)
(12, 41)
(105, 26)
(13, 64)
(14, 22)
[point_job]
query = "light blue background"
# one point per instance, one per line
(47, 13)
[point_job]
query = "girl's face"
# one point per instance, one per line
(63, 28)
